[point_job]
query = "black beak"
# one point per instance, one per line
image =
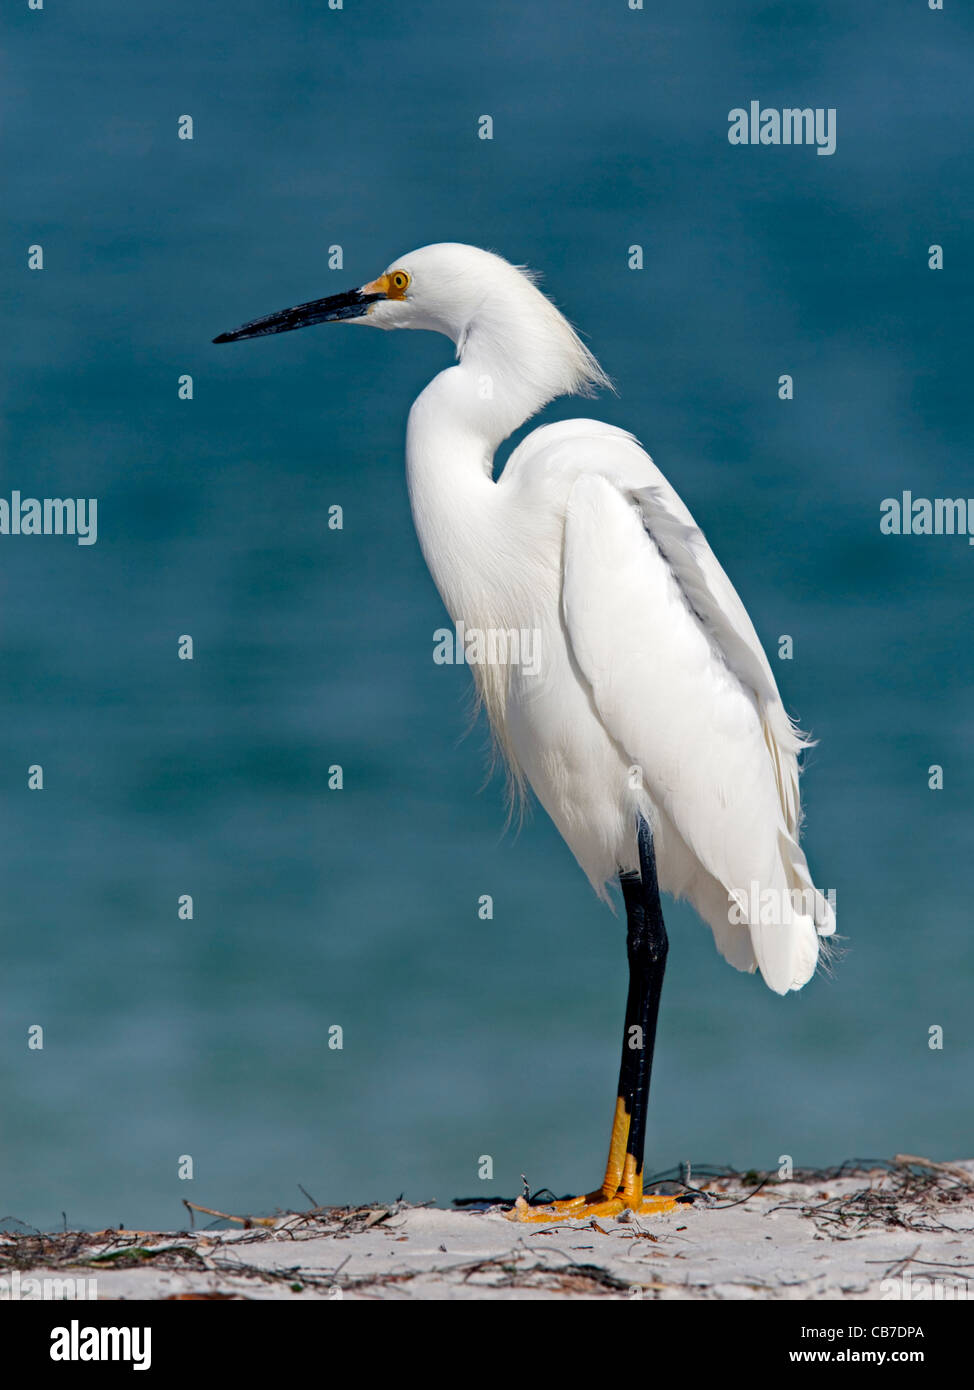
(350, 305)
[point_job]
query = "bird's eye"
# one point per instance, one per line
(398, 281)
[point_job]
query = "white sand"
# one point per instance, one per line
(876, 1236)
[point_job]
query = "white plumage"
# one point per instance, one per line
(654, 693)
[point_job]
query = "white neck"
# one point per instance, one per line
(455, 427)
(516, 353)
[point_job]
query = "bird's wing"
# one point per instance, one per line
(680, 680)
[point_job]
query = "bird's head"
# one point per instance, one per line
(492, 310)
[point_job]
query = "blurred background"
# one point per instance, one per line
(358, 127)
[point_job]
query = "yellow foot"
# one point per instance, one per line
(592, 1205)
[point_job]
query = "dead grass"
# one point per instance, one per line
(906, 1192)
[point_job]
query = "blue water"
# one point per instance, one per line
(358, 907)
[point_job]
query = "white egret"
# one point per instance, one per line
(648, 723)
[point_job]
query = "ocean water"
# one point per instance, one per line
(316, 908)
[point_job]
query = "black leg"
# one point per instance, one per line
(646, 947)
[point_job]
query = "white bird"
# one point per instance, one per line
(648, 722)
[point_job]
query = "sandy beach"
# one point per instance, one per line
(902, 1231)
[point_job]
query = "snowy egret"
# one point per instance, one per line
(648, 722)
